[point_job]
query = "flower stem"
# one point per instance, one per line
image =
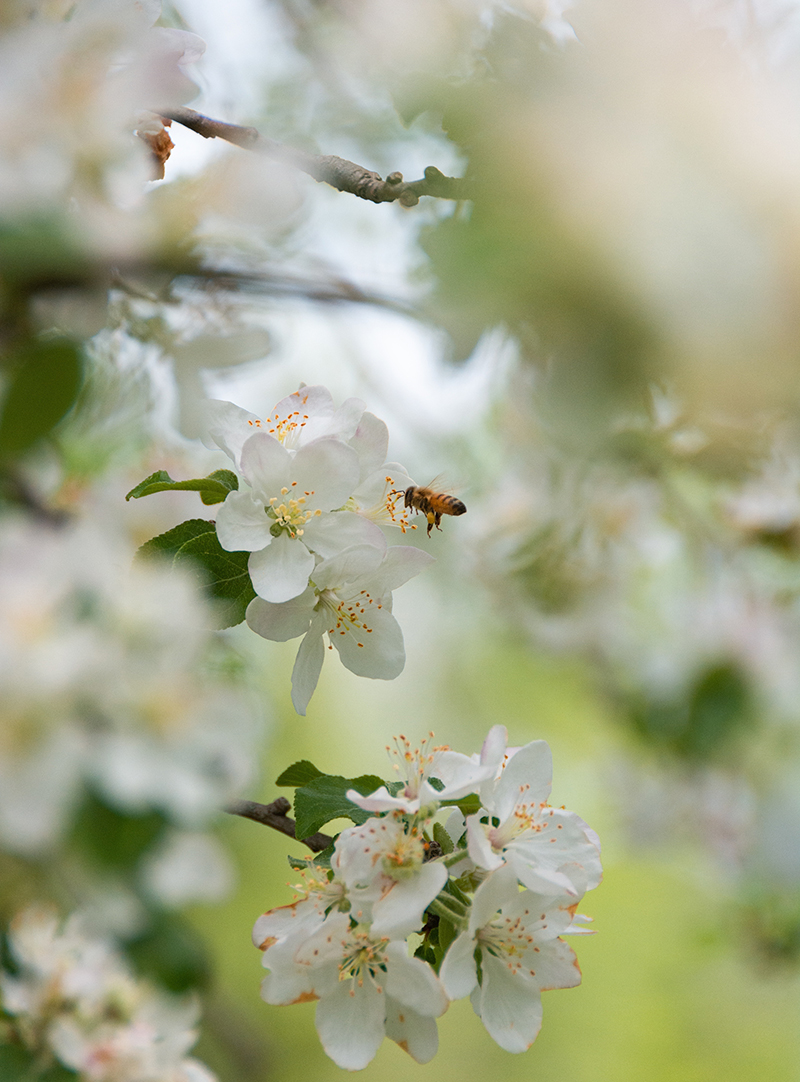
(448, 911)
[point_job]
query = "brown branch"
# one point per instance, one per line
(341, 174)
(274, 815)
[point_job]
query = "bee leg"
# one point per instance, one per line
(431, 518)
(437, 518)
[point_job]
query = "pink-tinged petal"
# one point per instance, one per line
(281, 622)
(373, 649)
(350, 1023)
(414, 1033)
(228, 426)
(242, 525)
(286, 920)
(399, 911)
(307, 667)
(458, 971)
(510, 1007)
(326, 472)
(402, 563)
(280, 571)
(412, 981)
(382, 801)
(479, 847)
(527, 779)
(331, 533)
(348, 566)
(370, 441)
(554, 965)
(286, 982)
(265, 466)
(496, 892)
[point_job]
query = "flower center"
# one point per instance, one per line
(416, 764)
(363, 958)
(290, 515)
(523, 818)
(508, 939)
(347, 613)
(286, 428)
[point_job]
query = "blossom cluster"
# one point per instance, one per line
(107, 682)
(490, 893)
(317, 490)
(72, 999)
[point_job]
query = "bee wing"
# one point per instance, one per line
(444, 484)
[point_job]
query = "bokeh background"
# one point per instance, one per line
(598, 350)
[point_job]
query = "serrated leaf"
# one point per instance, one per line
(442, 838)
(299, 773)
(325, 798)
(225, 578)
(212, 489)
(447, 932)
(44, 379)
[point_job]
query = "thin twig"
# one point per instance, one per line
(274, 815)
(341, 174)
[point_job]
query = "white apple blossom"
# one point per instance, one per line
(73, 996)
(291, 512)
(383, 865)
(349, 598)
(521, 955)
(457, 775)
(368, 988)
(303, 416)
(534, 839)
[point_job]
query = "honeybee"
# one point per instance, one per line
(432, 504)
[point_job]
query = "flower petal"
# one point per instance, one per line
(510, 1007)
(458, 971)
(529, 771)
(330, 534)
(228, 426)
(414, 1033)
(307, 667)
(348, 566)
(326, 472)
(370, 442)
(412, 981)
(374, 650)
(284, 621)
(280, 571)
(399, 911)
(350, 1023)
(265, 466)
(402, 563)
(241, 524)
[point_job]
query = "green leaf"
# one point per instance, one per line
(212, 489)
(44, 381)
(324, 798)
(319, 860)
(442, 838)
(225, 578)
(447, 932)
(467, 805)
(170, 543)
(299, 773)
